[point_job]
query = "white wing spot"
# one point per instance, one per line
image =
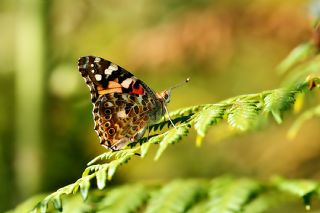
(98, 77)
(122, 114)
(92, 71)
(109, 104)
(84, 66)
(140, 99)
(110, 69)
(126, 83)
(91, 65)
(97, 59)
(125, 97)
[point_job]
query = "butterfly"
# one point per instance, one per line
(123, 105)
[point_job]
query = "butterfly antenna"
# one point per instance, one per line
(180, 84)
(165, 107)
(174, 87)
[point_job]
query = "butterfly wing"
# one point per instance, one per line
(123, 104)
(103, 77)
(120, 119)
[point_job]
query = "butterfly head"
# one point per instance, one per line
(165, 96)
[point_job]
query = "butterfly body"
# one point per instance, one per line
(123, 105)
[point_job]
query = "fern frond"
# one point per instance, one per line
(242, 112)
(300, 188)
(222, 194)
(199, 207)
(172, 136)
(175, 197)
(303, 60)
(184, 111)
(244, 115)
(297, 55)
(266, 201)
(279, 101)
(102, 173)
(208, 116)
(301, 71)
(229, 196)
(127, 198)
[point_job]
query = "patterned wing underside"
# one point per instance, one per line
(123, 104)
(121, 118)
(104, 77)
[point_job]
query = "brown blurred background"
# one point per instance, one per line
(228, 48)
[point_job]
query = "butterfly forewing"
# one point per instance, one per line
(101, 74)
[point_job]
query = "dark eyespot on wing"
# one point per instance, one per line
(136, 109)
(111, 131)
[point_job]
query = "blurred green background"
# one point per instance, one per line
(226, 47)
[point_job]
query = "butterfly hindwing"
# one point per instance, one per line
(120, 117)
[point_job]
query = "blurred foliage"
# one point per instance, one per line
(224, 194)
(227, 47)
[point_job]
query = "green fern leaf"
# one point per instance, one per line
(122, 158)
(112, 169)
(199, 207)
(279, 101)
(44, 206)
(223, 195)
(103, 156)
(67, 189)
(57, 203)
(297, 187)
(266, 201)
(144, 149)
(127, 198)
(243, 115)
(171, 137)
(297, 55)
(175, 197)
(301, 188)
(301, 71)
(229, 196)
(210, 115)
(185, 111)
(101, 176)
(84, 188)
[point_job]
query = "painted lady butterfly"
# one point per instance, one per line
(123, 106)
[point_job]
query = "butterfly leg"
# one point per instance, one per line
(121, 143)
(148, 132)
(169, 117)
(125, 140)
(139, 134)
